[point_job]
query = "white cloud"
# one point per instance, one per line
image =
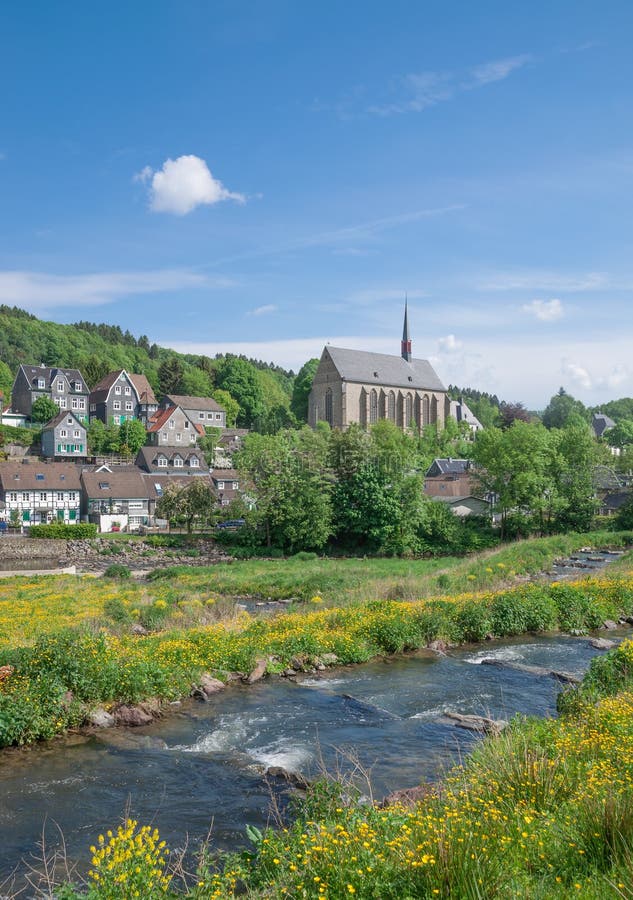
(263, 310)
(545, 281)
(578, 374)
(497, 70)
(545, 310)
(183, 184)
(606, 381)
(449, 344)
(421, 90)
(38, 290)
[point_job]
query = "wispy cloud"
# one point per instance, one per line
(182, 185)
(449, 344)
(417, 91)
(38, 290)
(539, 280)
(583, 378)
(265, 310)
(545, 310)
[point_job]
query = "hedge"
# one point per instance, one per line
(65, 532)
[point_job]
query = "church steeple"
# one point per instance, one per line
(405, 345)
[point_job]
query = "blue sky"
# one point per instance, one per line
(265, 177)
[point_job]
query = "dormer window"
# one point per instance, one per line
(41, 383)
(162, 462)
(194, 462)
(178, 462)
(77, 385)
(104, 485)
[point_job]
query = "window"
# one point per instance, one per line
(81, 403)
(116, 420)
(201, 415)
(178, 436)
(135, 504)
(116, 404)
(39, 476)
(172, 424)
(60, 495)
(373, 407)
(220, 485)
(77, 385)
(13, 496)
(128, 391)
(128, 406)
(209, 415)
(63, 433)
(26, 497)
(391, 406)
(43, 496)
(328, 406)
(62, 402)
(117, 389)
(158, 488)
(186, 423)
(194, 462)
(104, 485)
(93, 407)
(72, 495)
(76, 433)
(41, 383)
(74, 403)
(218, 416)
(60, 387)
(162, 461)
(178, 462)
(163, 436)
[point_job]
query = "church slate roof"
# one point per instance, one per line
(384, 370)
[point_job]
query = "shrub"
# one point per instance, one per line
(78, 532)
(117, 570)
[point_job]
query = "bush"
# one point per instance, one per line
(78, 532)
(117, 570)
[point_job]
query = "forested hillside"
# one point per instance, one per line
(261, 390)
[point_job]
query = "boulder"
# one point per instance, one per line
(439, 647)
(603, 644)
(131, 715)
(207, 686)
(294, 778)
(410, 797)
(101, 718)
(609, 624)
(329, 659)
(477, 723)
(258, 672)
(138, 629)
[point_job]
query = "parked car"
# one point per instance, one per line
(231, 523)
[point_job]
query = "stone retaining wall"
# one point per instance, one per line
(15, 547)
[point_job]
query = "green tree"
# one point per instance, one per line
(301, 389)
(195, 383)
(170, 374)
(6, 383)
(97, 436)
(43, 410)
(132, 436)
(559, 409)
(515, 466)
(367, 513)
(624, 516)
(228, 404)
(573, 466)
(288, 478)
(621, 435)
(193, 503)
(239, 378)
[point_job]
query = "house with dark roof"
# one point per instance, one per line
(38, 493)
(466, 506)
(226, 485)
(204, 411)
(172, 460)
(355, 386)
(172, 427)
(115, 497)
(450, 478)
(64, 437)
(121, 396)
(601, 423)
(65, 387)
(461, 412)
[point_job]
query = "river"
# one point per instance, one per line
(201, 767)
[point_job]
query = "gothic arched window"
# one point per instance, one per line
(373, 407)
(328, 406)
(391, 406)
(408, 411)
(434, 410)
(425, 410)
(362, 408)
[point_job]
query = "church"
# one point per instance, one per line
(357, 386)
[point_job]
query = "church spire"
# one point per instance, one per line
(405, 345)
